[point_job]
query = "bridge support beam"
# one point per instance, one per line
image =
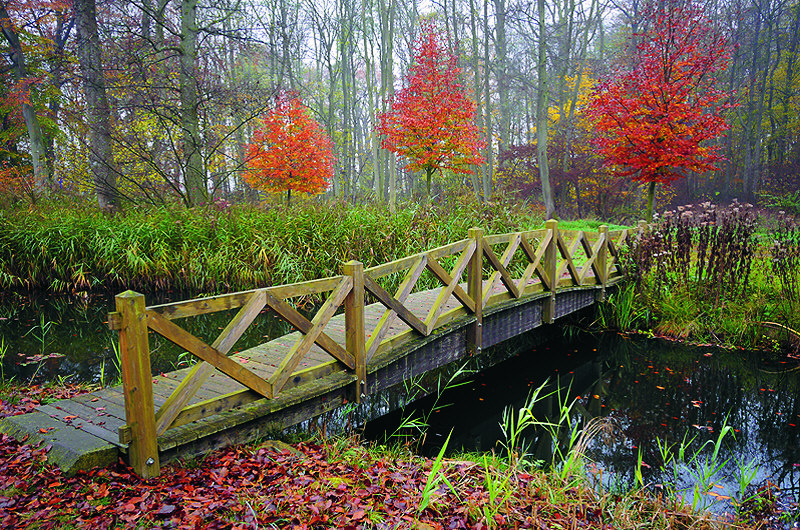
(602, 261)
(354, 325)
(137, 381)
(475, 291)
(551, 271)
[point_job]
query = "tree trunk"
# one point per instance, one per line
(542, 104)
(501, 72)
(101, 158)
(41, 176)
(428, 179)
(193, 175)
(476, 183)
(489, 173)
(651, 196)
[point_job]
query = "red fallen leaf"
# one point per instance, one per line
(359, 515)
(45, 431)
(69, 418)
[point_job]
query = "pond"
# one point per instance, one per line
(44, 338)
(650, 393)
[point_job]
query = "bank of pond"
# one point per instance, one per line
(718, 429)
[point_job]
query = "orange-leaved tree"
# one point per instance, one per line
(657, 118)
(432, 120)
(289, 151)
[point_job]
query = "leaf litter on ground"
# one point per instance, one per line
(276, 485)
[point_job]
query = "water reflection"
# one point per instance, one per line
(650, 390)
(68, 337)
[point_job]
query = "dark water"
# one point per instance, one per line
(68, 337)
(648, 390)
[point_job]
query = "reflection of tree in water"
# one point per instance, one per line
(77, 328)
(656, 389)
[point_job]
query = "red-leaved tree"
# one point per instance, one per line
(289, 151)
(431, 122)
(657, 118)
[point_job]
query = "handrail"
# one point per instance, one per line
(552, 259)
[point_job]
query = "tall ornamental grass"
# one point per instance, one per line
(721, 274)
(67, 248)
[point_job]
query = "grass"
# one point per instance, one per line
(69, 248)
(716, 285)
(505, 489)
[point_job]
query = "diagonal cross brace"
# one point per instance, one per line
(200, 372)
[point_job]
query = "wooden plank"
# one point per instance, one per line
(603, 258)
(533, 289)
(450, 316)
(137, 383)
(106, 424)
(505, 259)
(222, 362)
(223, 302)
(231, 400)
(451, 284)
(112, 408)
(539, 233)
(301, 347)
(613, 254)
(591, 253)
(387, 300)
(498, 239)
(401, 295)
(307, 288)
(392, 267)
(567, 252)
(313, 373)
(551, 271)
(79, 423)
(530, 269)
(447, 250)
(202, 306)
(475, 292)
(535, 257)
(458, 291)
(302, 324)
(210, 407)
(199, 373)
(504, 274)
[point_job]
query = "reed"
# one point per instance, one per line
(72, 248)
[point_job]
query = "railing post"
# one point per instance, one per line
(354, 324)
(551, 267)
(475, 291)
(137, 384)
(602, 261)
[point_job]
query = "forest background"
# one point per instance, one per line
(156, 100)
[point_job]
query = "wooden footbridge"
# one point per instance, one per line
(375, 328)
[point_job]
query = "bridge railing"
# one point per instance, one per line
(545, 259)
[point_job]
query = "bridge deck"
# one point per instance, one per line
(561, 276)
(91, 421)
